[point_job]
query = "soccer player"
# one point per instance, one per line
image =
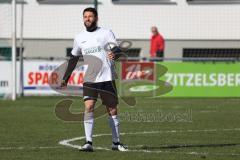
(93, 42)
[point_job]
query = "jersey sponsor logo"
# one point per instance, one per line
(93, 50)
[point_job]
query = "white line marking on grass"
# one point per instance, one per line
(67, 142)
(28, 148)
(207, 111)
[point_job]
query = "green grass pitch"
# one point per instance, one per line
(166, 128)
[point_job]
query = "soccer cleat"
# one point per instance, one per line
(119, 147)
(87, 147)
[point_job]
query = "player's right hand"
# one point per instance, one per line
(63, 84)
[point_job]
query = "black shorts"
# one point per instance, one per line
(106, 90)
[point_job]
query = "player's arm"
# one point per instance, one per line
(72, 62)
(115, 51)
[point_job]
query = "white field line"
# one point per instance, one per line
(28, 148)
(68, 144)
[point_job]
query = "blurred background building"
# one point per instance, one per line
(191, 28)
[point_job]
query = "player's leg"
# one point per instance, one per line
(114, 125)
(88, 124)
(90, 98)
(110, 100)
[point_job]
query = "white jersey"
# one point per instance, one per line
(94, 43)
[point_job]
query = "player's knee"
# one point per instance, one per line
(112, 111)
(89, 105)
(89, 108)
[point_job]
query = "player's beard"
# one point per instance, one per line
(92, 27)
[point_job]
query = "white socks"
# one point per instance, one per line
(114, 124)
(88, 125)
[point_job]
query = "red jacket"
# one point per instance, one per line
(157, 44)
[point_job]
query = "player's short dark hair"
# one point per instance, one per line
(90, 9)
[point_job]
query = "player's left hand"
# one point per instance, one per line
(111, 55)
